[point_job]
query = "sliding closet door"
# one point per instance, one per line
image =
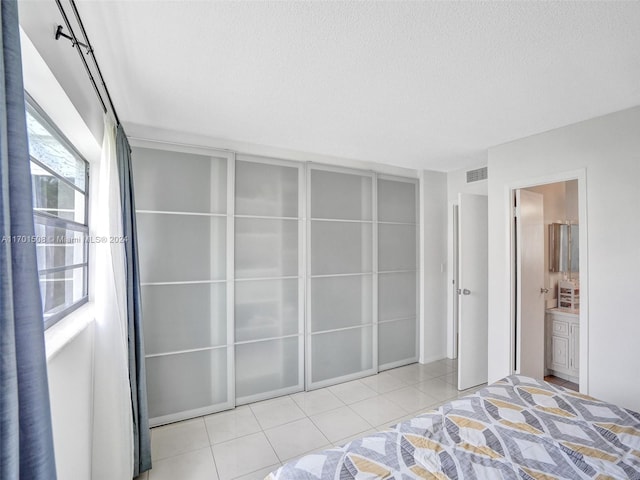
(341, 338)
(269, 288)
(397, 271)
(181, 201)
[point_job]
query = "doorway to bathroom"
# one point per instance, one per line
(546, 279)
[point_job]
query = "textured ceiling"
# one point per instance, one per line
(422, 85)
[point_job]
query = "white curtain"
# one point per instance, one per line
(112, 418)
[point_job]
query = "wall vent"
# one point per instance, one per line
(477, 175)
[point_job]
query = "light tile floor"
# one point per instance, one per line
(252, 440)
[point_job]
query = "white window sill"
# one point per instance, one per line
(63, 332)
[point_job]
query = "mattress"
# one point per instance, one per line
(517, 428)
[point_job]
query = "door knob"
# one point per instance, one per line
(544, 290)
(466, 292)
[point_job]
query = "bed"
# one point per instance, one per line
(517, 428)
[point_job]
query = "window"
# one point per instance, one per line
(59, 179)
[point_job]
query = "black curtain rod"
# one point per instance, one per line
(86, 44)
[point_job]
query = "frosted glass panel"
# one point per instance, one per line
(184, 317)
(396, 247)
(181, 247)
(179, 182)
(340, 196)
(186, 381)
(397, 201)
(263, 189)
(396, 295)
(266, 248)
(263, 367)
(338, 302)
(266, 309)
(340, 353)
(340, 247)
(397, 341)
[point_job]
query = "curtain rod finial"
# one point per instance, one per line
(59, 33)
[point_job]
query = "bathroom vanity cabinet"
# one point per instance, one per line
(563, 344)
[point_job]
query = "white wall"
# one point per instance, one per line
(71, 394)
(433, 248)
(456, 183)
(608, 149)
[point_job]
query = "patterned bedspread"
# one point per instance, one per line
(517, 428)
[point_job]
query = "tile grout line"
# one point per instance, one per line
(213, 457)
(186, 451)
(215, 464)
(254, 471)
(287, 423)
(330, 441)
(271, 445)
(324, 411)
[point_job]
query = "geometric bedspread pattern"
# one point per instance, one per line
(517, 428)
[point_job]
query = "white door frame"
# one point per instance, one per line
(453, 286)
(581, 176)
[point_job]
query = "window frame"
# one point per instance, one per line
(48, 219)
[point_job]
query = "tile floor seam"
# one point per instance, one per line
(271, 445)
(178, 454)
(254, 471)
(395, 402)
(235, 438)
(316, 425)
(296, 456)
(357, 433)
(207, 430)
(290, 459)
(163, 459)
(393, 389)
(355, 411)
(215, 464)
(291, 421)
(324, 411)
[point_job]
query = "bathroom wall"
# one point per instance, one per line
(560, 203)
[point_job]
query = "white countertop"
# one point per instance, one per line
(571, 313)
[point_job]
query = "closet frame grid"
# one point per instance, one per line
(304, 276)
(300, 167)
(416, 270)
(229, 158)
(310, 384)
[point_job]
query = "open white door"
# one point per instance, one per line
(472, 290)
(530, 287)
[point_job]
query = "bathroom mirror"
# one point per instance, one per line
(563, 247)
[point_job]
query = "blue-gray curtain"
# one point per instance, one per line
(137, 376)
(26, 439)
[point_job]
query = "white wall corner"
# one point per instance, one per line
(433, 259)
